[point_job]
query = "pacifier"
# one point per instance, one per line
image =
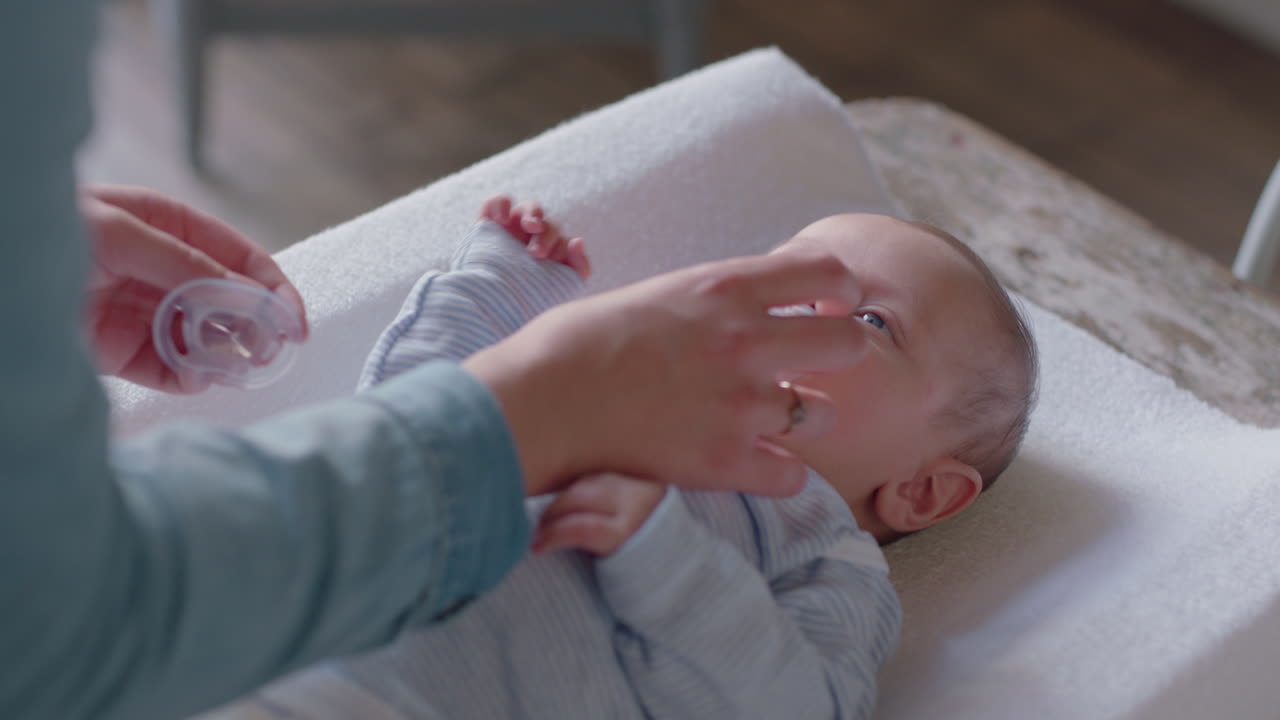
(226, 332)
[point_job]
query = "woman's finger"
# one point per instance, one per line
(205, 233)
(775, 345)
(146, 368)
(809, 344)
(195, 228)
(800, 276)
(126, 247)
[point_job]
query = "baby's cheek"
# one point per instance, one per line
(931, 393)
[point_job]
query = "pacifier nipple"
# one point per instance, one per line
(226, 332)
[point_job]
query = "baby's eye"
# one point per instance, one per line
(873, 319)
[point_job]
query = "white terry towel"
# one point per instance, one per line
(730, 160)
(1128, 565)
(1125, 568)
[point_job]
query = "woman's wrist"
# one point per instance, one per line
(529, 403)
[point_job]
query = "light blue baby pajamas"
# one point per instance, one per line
(721, 606)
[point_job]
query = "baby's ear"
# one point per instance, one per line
(942, 489)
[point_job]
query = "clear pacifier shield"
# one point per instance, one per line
(226, 332)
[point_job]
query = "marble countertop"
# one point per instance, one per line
(1073, 251)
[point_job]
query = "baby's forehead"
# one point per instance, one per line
(916, 254)
(855, 225)
(866, 230)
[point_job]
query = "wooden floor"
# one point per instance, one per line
(1158, 109)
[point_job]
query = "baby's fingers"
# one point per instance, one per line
(595, 533)
(549, 244)
(588, 494)
(529, 216)
(497, 209)
(576, 257)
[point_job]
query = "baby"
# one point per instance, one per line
(642, 601)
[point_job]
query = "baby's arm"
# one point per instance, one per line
(702, 633)
(495, 283)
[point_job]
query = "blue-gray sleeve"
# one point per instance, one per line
(158, 577)
(703, 633)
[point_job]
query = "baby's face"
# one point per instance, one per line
(925, 313)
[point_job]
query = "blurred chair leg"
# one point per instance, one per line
(1260, 247)
(680, 27)
(186, 24)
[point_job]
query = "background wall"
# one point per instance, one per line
(1257, 19)
(1152, 104)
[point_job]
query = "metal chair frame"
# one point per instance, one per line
(1256, 258)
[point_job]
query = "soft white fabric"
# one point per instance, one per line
(1125, 568)
(732, 159)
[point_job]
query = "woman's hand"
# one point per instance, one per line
(145, 244)
(676, 378)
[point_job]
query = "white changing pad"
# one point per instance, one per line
(729, 160)
(1125, 567)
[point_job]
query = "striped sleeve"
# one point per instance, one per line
(492, 288)
(703, 633)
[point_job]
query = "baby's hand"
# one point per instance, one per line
(597, 513)
(526, 223)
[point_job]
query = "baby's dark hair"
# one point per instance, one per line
(996, 404)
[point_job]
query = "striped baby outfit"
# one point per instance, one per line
(721, 606)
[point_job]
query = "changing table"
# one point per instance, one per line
(1070, 250)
